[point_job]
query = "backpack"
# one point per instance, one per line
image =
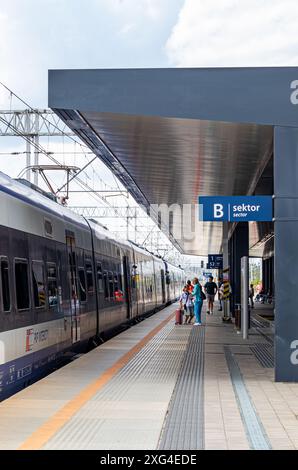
(203, 296)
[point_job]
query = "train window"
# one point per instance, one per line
(99, 278)
(105, 284)
(5, 285)
(48, 227)
(89, 276)
(120, 282)
(116, 286)
(39, 293)
(82, 285)
(22, 284)
(134, 276)
(52, 284)
(111, 286)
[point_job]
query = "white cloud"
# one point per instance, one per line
(153, 9)
(98, 34)
(127, 28)
(235, 33)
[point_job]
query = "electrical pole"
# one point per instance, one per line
(28, 148)
(36, 152)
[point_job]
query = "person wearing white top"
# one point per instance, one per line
(186, 304)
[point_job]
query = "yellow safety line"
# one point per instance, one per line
(47, 430)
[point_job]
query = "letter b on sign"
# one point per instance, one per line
(218, 211)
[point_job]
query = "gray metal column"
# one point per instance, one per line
(264, 276)
(286, 253)
(273, 280)
(225, 251)
(36, 152)
(239, 245)
(232, 274)
(244, 296)
(28, 149)
(225, 244)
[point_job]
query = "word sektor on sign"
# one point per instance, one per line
(235, 208)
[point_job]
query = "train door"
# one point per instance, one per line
(135, 280)
(174, 286)
(163, 286)
(127, 287)
(168, 282)
(140, 281)
(73, 282)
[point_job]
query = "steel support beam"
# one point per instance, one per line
(226, 267)
(16, 122)
(239, 243)
(286, 253)
(111, 212)
(244, 296)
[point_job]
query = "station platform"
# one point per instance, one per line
(159, 385)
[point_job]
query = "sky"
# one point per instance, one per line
(45, 34)
(37, 35)
(234, 33)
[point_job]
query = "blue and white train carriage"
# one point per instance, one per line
(65, 281)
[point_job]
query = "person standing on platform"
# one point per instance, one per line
(210, 290)
(219, 291)
(186, 304)
(189, 286)
(251, 295)
(198, 300)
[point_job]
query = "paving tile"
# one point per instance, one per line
(134, 419)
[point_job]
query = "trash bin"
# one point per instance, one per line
(238, 316)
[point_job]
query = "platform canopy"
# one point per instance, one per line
(171, 135)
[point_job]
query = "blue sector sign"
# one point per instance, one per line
(213, 266)
(215, 261)
(235, 208)
(215, 258)
(207, 274)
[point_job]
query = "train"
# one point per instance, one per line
(65, 283)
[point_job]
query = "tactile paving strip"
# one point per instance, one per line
(264, 354)
(184, 424)
(254, 429)
(263, 330)
(127, 413)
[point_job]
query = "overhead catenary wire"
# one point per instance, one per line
(49, 155)
(13, 153)
(39, 148)
(76, 175)
(42, 117)
(76, 142)
(44, 152)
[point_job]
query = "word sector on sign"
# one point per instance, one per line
(235, 208)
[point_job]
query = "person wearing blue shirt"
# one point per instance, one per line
(198, 300)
